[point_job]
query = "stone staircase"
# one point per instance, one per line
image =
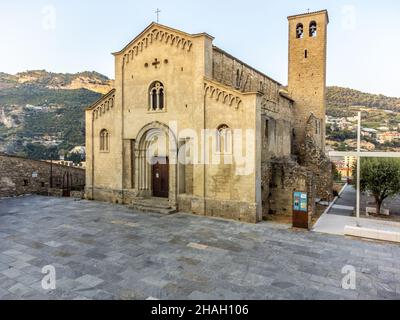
(153, 205)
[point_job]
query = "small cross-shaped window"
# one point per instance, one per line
(156, 63)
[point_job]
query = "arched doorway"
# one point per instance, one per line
(155, 162)
(160, 177)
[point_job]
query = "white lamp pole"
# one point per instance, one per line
(358, 168)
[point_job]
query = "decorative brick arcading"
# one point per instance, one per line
(157, 35)
(213, 92)
(268, 105)
(103, 105)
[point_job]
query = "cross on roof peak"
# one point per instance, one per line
(157, 12)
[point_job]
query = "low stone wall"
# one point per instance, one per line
(19, 176)
(78, 194)
(55, 192)
(287, 178)
(107, 195)
(227, 209)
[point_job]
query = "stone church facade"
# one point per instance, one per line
(189, 123)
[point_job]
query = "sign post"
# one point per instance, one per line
(301, 215)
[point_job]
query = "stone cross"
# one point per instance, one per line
(158, 11)
(156, 63)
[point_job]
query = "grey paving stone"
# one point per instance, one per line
(19, 289)
(4, 266)
(89, 280)
(12, 253)
(27, 279)
(283, 285)
(5, 259)
(10, 296)
(383, 294)
(19, 264)
(12, 273)
(98, 259)
(3, 292)
(53, 244)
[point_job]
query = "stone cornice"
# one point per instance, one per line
(96, 103)
(310, 14)
(103, 105)
(166, 28)
(223, 94)
(156, 32)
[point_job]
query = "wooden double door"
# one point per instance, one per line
(160, 177)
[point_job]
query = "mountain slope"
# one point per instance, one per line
(42, 113)
(338, 97)
(92, 81)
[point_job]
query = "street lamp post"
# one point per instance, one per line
(358, 168)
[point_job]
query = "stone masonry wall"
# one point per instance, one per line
(238, 75)
(288, 177)
(317, 162)
(19, 176)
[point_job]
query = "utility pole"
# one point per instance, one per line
(358, 168)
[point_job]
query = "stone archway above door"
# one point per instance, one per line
(153, 141)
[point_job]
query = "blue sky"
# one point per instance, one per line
(72, 36)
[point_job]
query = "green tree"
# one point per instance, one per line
(342, 147)
(74, 157)
(380, 177)
(336, 175)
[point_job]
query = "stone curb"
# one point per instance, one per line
(374, 234)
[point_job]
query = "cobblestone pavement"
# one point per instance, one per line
(103, 251)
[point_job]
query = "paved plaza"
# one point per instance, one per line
(103, 251)
(342, 214)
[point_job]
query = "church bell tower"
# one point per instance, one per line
(307, 73)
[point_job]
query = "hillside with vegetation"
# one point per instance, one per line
(380, 120)
(340, 100)
(42, 113)
(92, 81)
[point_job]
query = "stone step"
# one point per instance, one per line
(153, 205)
(149, 209)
